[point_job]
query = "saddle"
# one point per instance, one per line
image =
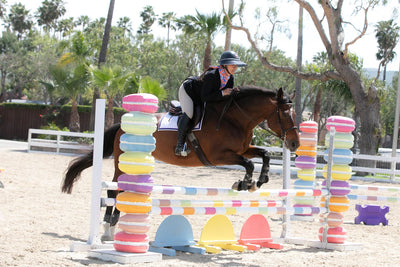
(176, 110)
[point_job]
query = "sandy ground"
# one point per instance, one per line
(38, 223)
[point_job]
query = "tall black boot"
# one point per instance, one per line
(183, 128)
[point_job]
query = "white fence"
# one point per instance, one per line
(58, 146)
(386, 170)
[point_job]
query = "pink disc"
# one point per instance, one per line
(308, 139)
(341, 124)
(334, 219)
(134, 243)
(334, 235)
(142, 102)
(309, 127)
(135, 223)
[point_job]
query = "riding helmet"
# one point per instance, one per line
(231, 58)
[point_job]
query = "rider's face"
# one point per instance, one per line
(232, 68)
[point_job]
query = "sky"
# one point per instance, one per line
(365, 47)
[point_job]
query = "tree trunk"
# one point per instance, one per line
(297, 106)
(74, 124)
(228, 35)
(317, 106)
(110, 113)
(368, 106)
(102, 59)
(207, 56)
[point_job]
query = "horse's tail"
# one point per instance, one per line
(77, 165)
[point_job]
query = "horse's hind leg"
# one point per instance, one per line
(111, 218)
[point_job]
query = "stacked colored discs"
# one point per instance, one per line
(341, 172)
(306, 162)
(137, 163)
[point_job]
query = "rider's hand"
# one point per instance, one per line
(228, 91)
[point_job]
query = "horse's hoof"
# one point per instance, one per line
(251, 188)
(262, 181)
(240, 186)
(235, 186)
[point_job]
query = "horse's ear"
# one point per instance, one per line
(280, 93)
(293, 95)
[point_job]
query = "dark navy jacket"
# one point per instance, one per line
(207, 90)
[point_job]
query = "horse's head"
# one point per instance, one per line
(283, 123)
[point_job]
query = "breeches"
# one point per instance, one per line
(186, 102)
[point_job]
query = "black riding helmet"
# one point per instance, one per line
(231, 58)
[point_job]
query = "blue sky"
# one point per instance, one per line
(365, 47)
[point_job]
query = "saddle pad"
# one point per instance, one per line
(170, 123)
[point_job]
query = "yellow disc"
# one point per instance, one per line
(306, 174)
(134, 162)
(339, 172)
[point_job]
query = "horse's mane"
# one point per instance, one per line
(247, 90)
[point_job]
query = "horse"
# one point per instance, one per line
(225, 138)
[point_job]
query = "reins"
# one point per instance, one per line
(283, 132)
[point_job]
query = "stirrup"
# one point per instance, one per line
(182, 152)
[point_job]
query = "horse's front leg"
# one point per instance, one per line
(247, 183)
(262, 153)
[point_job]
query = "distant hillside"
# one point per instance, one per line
(371, 72)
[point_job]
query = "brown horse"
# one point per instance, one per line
(227, 145)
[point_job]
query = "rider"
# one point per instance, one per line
(213, 85)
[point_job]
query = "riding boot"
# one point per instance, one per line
(183, 128)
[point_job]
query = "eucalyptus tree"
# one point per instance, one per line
(387, 35)
(3, 4)
(203, 26)
(49, 12)
(9, 47)
(330, 30)
(20, 19)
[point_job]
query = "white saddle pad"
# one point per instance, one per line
(170, 123)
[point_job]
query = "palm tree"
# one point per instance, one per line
(166, 21)
(71, 81)
(125, 24)
(83, 21)
(148, 17)
(387, 35)
(205, 26)
(49, 12)
(113, 81)
(73, 67)
(65, 27)
(151, 86)
(19, 19)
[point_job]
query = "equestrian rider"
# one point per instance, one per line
(215, 84)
